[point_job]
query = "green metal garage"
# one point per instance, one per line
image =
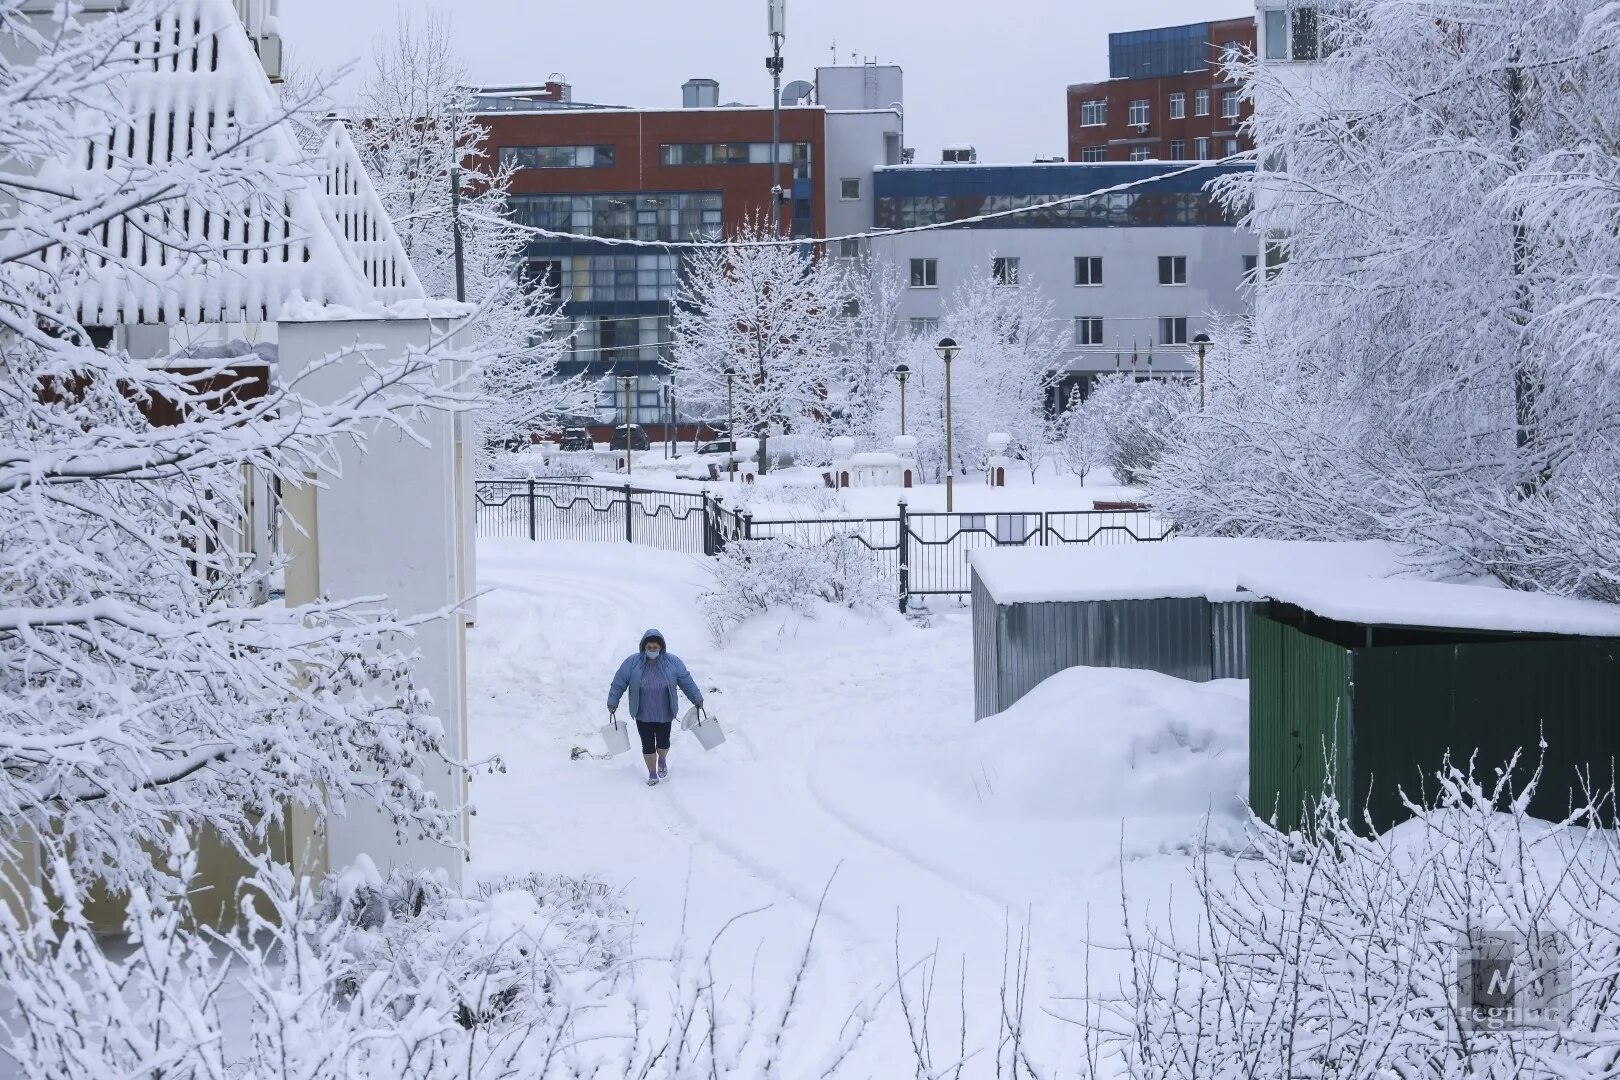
(1370, 682)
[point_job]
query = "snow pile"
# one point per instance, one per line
(759, 577)
(1090, 742)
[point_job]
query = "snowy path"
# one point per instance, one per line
(851, 759)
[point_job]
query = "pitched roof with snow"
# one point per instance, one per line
(327, 241)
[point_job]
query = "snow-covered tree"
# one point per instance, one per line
(879, 341)
(417, 127)
(142, 691)
(1079, 443)
(773, 315)
(1433, 361)
(1010, 353)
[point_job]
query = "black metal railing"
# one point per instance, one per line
(926, 554)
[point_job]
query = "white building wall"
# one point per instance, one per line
(857, 143)
(401, 497)
(1130, 300)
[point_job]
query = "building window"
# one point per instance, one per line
(1172, 269)
(1229, 105)
(678, 216)
(556, 157)
(1139, 153)
(1173, 330)
(1004, 270)
(1088, 330)
(1088, 270)
(1231, 148)
(1276, 34)
(1178, 105)
(1093, 113)
(924, 328)
(1201, 149)
(1249, 264)
(1304, 35)
(849, 249)
(1178, 149)
(850, 189)
(925, 273)
(737, 153)
(1139, 112)
(1231, 53)
(1094, 153)
(1201, 103)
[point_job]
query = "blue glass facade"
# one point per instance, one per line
(1162, 51)
(907, 197)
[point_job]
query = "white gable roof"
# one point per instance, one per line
(326, 242)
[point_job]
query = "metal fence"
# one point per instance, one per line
(925, 554)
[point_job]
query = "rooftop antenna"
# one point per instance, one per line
(835, 52)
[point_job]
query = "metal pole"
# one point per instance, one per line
(455, 228)
(731, 433)
(904, 540)
(1200, 377)
(629, 443)
(775, 64)
(902, 404)
(950, 457)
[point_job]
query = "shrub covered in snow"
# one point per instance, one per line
(1137, 421)
(755, 576)
(1333, 954)
(506, 951)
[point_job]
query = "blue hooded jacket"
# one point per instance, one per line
(628, 677)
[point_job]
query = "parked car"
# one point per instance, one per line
(637, 438)
(575, 438)
(716, 446)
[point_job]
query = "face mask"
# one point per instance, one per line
(652, 654)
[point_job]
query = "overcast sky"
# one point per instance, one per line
(987, 72)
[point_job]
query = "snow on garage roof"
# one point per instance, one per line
(1347, 597)
(1189, 567)
(327, 240)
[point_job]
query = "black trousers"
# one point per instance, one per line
(654, 737)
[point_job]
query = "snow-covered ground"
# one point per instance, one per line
(853, 768)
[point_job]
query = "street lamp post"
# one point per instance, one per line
(776, 20)
(629, 443)
(1202, 341)
(947, 349)
(731, 428)
(902, 372)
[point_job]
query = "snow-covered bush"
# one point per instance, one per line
(1333, 954)
(505, 951)
(1137, 421)
(372, 979)
(755, 576)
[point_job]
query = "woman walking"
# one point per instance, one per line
(652, 675)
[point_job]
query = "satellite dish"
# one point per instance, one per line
(798, 92)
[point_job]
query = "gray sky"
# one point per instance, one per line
(988, 72)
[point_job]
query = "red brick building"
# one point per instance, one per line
(661, 175)
(1166, 98)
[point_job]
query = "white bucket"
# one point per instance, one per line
(689, 718)
(616, 734)
(708, 731)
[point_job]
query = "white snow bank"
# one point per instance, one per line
(1093, 742)
(1476, 606)
(1190, 567)
(297, 309)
